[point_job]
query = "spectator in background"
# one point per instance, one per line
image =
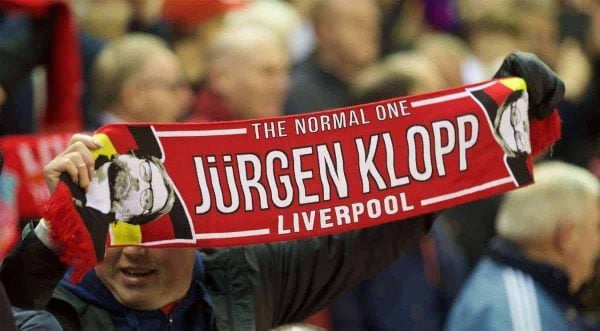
(547, 248)
(278, 16)
(247, 76)
(347, 41)
(137, 78)
(194, 24)
(490, 36)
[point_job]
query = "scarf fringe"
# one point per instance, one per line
(544, 133)
(69, 230)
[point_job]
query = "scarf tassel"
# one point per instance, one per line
(544, 133)
(68, 229)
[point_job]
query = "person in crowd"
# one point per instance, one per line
(347, 41)
(136, 78)
(546, 249)
(247, 75)
(254, 287)
(194, 24)
(242, 288)
(279, 16)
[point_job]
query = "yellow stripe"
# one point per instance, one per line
(514, 83)
(122, 233)
(125, 233)
(108, 148)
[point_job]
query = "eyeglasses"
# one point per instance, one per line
(147, 195)
(515, 120)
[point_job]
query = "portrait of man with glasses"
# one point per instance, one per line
(139, 189)
(130, 188)
(510, 123)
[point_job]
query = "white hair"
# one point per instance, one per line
(562, 193)
(238, 40)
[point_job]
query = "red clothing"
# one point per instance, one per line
(209, 107)
(63, 64)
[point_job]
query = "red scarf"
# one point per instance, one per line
(267, 180)
(63, 64)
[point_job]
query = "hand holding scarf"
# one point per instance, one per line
(246, 182)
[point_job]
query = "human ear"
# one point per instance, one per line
(565, 238)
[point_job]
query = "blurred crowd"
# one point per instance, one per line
(82, 64)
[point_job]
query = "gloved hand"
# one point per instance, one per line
(545, 89)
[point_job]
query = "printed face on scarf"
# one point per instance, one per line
(512, 124)
(138, 187)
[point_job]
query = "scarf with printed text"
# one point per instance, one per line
(277, 179)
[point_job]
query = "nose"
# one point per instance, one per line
(135, 252)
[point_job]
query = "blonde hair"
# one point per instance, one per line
(236, 40)
(117, 62)
(561, 194)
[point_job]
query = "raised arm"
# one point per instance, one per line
(32, 270)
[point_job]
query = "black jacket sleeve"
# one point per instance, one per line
(299, 278)
(31, 272)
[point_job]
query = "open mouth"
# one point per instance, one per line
(138, 272)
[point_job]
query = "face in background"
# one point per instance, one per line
(137, 187)
(350, 30)
(254, 80)
(513, 126)
(158, 92)
(147, 278)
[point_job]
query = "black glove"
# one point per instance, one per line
(545, 89)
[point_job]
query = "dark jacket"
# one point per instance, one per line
(413, 293)
(313, 89)
(192, 312)
(252, 287)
